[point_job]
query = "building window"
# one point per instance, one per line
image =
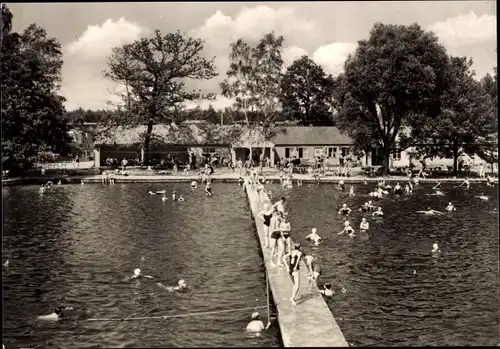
(318, 152)
(396, 154)
(332, 152)
(288, 153)
(303, 153)
(208, 150)
(345, 151)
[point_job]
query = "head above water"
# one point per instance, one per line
(182, 283)
(314, 230)
(344, 205)
(297, 246)
(137, 272)
(346, 223)
(435, 246)
(328, 285)
(363, 219)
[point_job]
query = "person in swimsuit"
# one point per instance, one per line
(347, 229)
(313, 268)
(351, 191)
(344, 210)
(407, 189)
(430, 211)
(266, 215)
(293, 268)
(364, 225)
(398, 190)
(370, 205)
(194, 184)
(314, 237)
(280, 205)
(379, 212)
(364, 207)
(450, 207)
(327, 290)
(241, 181)
(341, 185)
(181, 285)
(285, 235)
(466, 183)
(275, 234)
(208, 189)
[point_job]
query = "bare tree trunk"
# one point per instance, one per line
(147, 141)
(455, 159)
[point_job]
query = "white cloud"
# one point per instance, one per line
(97, 40)
(251, 24)
(466, 29)
(332, 57)
(291, 53)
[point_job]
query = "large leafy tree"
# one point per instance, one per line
(253, 82)
(399, 72)
(153, 72)
(33, 118)
(307, 92)
(467, 122)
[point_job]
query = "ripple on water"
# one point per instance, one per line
(84, 240)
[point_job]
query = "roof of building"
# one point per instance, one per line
(312, 135)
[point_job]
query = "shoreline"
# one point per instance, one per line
(224, 178)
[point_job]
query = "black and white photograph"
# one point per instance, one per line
(249, 174)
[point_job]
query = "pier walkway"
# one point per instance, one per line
(309, 323)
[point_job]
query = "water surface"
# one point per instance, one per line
(75, 244)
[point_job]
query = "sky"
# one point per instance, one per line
(326, 31)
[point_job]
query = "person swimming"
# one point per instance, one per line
(347, 229)
(280, 205)
(6, 264)
(138, 274)
(164, 198)
(364, 225)
(181, 198)
(194, 185)
(370, 205)
(299, 182)
(466, 182)
(450, 207)
(327, 290)
(341, 185)
(397, 189)
(351, 191)
(482, 197)
(42, 189)
(313, 268)
(430, 211)
(379, 212)
(151, 193)
(407, 189)
(435, 248)
(241, 181)
(438, 192)
(344, 210)
(208, 189)
(256, 325)
(181, 285)
(364, 207)
(174, 196)
(56, 315)
(314, 237)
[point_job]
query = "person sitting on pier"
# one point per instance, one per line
(266, 215)
(327, 290)
(347, 229)
(314, 237)
(397, 189)
(280, 205)
(344, 210)
(208, 189)
(351, 191)
(364, 207)
(364, 225)
(450, 207)
(466, 182)
(194, 185)
(430, 211)
(256, 325)
(293, 269)
(313, 268)
(379, 212)
(341, 185)
(181, 285)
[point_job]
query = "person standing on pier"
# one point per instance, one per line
(293, 268)
(266, 215)
(275, 235)
(280, 205)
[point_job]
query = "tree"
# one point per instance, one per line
(306, 93)
(467, 121)
(253, 81)
(489, 84)
(153, 72)
(33, 118)
(399, 72)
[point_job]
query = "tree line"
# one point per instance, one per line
(399, 87)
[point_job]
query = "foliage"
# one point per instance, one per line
(33, 117)
(398, 73)
(467, 122)
(253, 81)
(307, 92)
(153, 72)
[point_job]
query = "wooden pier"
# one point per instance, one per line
(309, 323)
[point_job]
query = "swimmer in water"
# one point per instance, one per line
(208, 189)
(379, 212)
(438, 185)
(430, 211)
(164, 198)
(466, 183)
(59, 183)
(42, 189)
(6, 264)
(174, 196)
(241, 181)
(299, 182)
(364, 207)
(438, 192)
(407, 189)
(194, 185)
(313, 268)
(314, 237)
(370, 205)
(344, 210)
(181, 198)
(151, 193)
(398, 190)
(347, 229)
(365, 182)
(327, 290)
(435, 249)
(266, 214)
(56, 315)
(160, 192)
(410, 186)
(351, 191)
(364, 225)
(82, 182)
(181, 285)
(482, 197)
(138, 274)
(341, 185)
(450, 207)
(256, 325)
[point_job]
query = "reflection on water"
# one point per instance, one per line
(75, 244)
(397, 293)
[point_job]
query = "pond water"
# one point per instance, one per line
(75, 244)
(397, 293)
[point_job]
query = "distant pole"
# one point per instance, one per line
(221, 118)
